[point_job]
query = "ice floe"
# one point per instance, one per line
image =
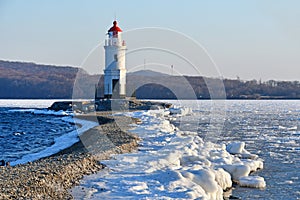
(175, 110)
(252, 181)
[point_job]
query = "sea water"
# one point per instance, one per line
(269, 129)
(28, 131)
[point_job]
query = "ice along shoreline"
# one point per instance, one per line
(172, 163)
(73, 157)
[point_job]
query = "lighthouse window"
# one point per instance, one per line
(116, 57)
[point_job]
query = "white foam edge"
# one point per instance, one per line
(43, 112)
(60, 143)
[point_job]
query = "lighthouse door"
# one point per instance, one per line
(116, 88)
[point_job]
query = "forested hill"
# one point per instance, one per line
(20, 80)
(29, 80)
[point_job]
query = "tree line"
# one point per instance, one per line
(20, 80)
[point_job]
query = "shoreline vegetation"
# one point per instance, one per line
(53, 176)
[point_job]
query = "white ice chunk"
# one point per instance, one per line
(253, 164)
(235, 147)
(206, 179)
(182, 111)
(194, 190)
(236, 171)
(249, 156)
(191, 159)
(252, 181)
(223, 178)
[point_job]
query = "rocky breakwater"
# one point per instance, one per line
(107, 105)
(51, 177)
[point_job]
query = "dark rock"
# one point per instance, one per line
(61, 105)
(234, 197)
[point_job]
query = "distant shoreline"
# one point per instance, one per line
(263, 98)
(19, 80)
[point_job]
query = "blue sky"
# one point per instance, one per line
(250, 39)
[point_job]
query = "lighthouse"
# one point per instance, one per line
(115, 70)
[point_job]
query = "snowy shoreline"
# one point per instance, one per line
(172, 163)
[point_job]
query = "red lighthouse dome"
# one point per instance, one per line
(114, 29)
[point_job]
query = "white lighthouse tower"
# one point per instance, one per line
(115, 71)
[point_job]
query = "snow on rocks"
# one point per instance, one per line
(236, 148)
(176, 164)
(223, 178)
(253, 164)
(207, 180)
(237, 170)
